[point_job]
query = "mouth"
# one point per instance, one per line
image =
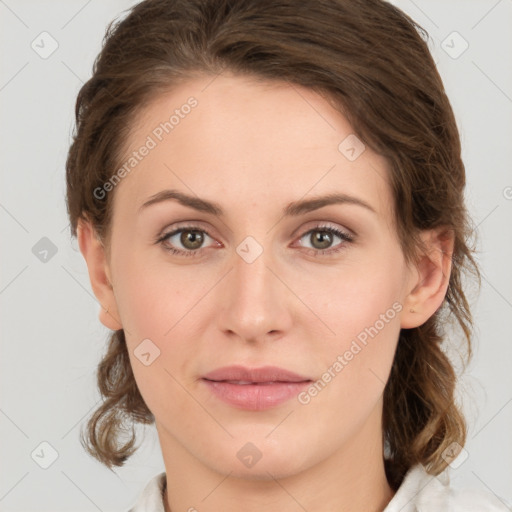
(254, 389)
(242, 375)
(246, 382)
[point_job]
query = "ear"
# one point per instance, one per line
(430, 278)
(93, 251)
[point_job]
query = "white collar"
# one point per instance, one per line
(419, 492)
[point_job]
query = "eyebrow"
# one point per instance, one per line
(293, 209)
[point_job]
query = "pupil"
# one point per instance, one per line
(324, 238)
(192, 239)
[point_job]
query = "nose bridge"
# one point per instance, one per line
(254, 303)
(252, 251)
(252, 278)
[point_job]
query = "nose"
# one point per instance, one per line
(254, 303)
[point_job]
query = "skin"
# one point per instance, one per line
(254, 147)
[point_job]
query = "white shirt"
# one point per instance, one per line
(419, 492)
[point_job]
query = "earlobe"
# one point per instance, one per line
(431, 278)
(93, 252)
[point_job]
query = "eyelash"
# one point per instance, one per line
(345, 237)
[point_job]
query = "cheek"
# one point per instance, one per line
(156, 307)
(363, 294)
(149, 297)
(362, 310)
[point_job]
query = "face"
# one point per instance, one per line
(256, 280)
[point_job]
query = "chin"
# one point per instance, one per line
(260, 459)
(264, 471)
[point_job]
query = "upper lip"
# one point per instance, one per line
(261, 374)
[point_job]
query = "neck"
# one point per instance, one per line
(351, 479)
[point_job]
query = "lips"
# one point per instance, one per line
(266, 374)
(254, 389)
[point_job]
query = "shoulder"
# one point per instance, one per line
(421, 492)
(151, 498)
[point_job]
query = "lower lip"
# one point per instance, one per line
(256, 397)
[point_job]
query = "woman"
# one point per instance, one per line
(269, 199)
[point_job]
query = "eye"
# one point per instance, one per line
(191, 238)
(322, 238)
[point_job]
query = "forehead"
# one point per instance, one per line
(233, 137)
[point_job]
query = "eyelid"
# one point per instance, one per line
(194, 224)
(320, 224)
(191, 224)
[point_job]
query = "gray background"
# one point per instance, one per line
(51, 338)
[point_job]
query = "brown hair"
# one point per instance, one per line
(372, 62)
